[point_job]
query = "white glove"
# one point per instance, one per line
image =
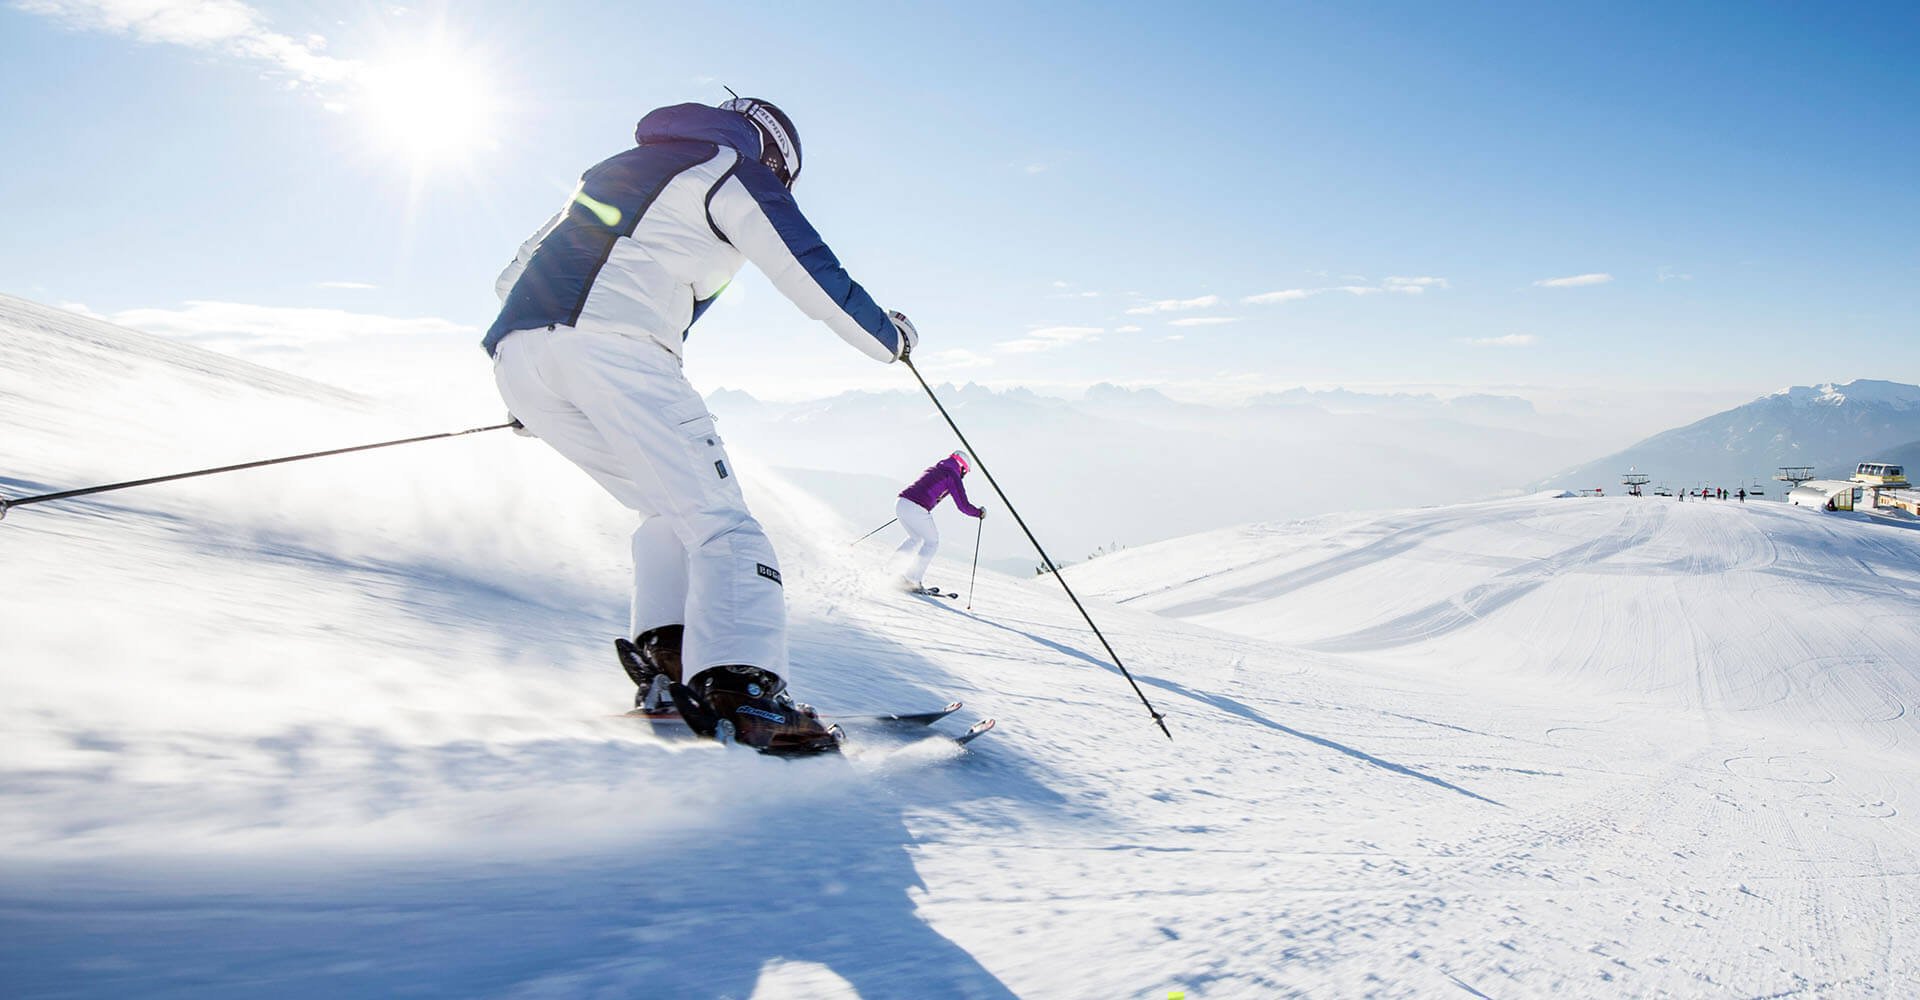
(909, 337)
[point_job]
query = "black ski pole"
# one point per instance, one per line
(6, 504)
(979, 525)
(1158, 719)
(872, 533)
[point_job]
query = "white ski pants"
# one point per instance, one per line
(921, 531)
(620, 408)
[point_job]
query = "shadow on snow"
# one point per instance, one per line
(704, 911)
(1231, 707)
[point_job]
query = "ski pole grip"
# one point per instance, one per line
(4, 504)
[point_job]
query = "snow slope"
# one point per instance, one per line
(1716, 609)
(342, 728)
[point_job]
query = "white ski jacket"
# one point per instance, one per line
(653, 234)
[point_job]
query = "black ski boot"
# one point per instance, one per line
(652, 661)
(750, 706)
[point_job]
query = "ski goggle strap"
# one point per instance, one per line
(961, 457)
(780, 150)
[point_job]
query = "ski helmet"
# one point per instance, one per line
(779, 141)
(961, 457)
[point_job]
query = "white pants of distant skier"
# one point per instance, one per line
(922, 532)
(620, 408)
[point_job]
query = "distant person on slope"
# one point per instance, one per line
(587, 355)
(915, 510)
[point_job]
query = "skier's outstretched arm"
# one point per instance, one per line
(960, 499)
(752, 210)
(509, 277)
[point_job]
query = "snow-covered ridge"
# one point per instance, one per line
(33, 329)
(1872, 392)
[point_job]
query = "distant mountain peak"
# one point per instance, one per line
(1109, 392)
(1860, 391)
(1828, 426)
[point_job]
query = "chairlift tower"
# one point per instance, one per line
(1794, 475)
(1633, 482)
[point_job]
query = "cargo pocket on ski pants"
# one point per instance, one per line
(706, 454)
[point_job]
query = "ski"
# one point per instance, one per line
(934, 592)
(978, 730)
(973, 732)
(903, 718)
(669, 725)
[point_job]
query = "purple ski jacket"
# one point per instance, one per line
(942, 478)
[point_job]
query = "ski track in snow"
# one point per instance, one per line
(350, 728)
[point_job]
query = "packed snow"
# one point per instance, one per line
(349, 727)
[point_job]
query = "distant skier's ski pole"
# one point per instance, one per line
(979, 525)
(1158, 719)
(874, 532)
(6, 504)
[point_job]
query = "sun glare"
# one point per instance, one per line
(430, 105)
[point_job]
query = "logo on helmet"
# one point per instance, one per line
(779, 142)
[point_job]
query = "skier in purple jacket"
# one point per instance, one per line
(915, 510)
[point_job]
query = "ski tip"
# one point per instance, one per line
(978, 729)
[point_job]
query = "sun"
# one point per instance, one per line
(429, 104)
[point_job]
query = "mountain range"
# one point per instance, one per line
(1829, 427)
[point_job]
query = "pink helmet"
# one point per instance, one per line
(961, 457)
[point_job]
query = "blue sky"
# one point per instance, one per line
(1714, 200)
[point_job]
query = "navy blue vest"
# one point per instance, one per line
(618, 191)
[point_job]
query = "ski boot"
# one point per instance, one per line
(751, 707)
(652, 661)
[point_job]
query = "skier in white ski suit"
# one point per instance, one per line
(587, 355)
